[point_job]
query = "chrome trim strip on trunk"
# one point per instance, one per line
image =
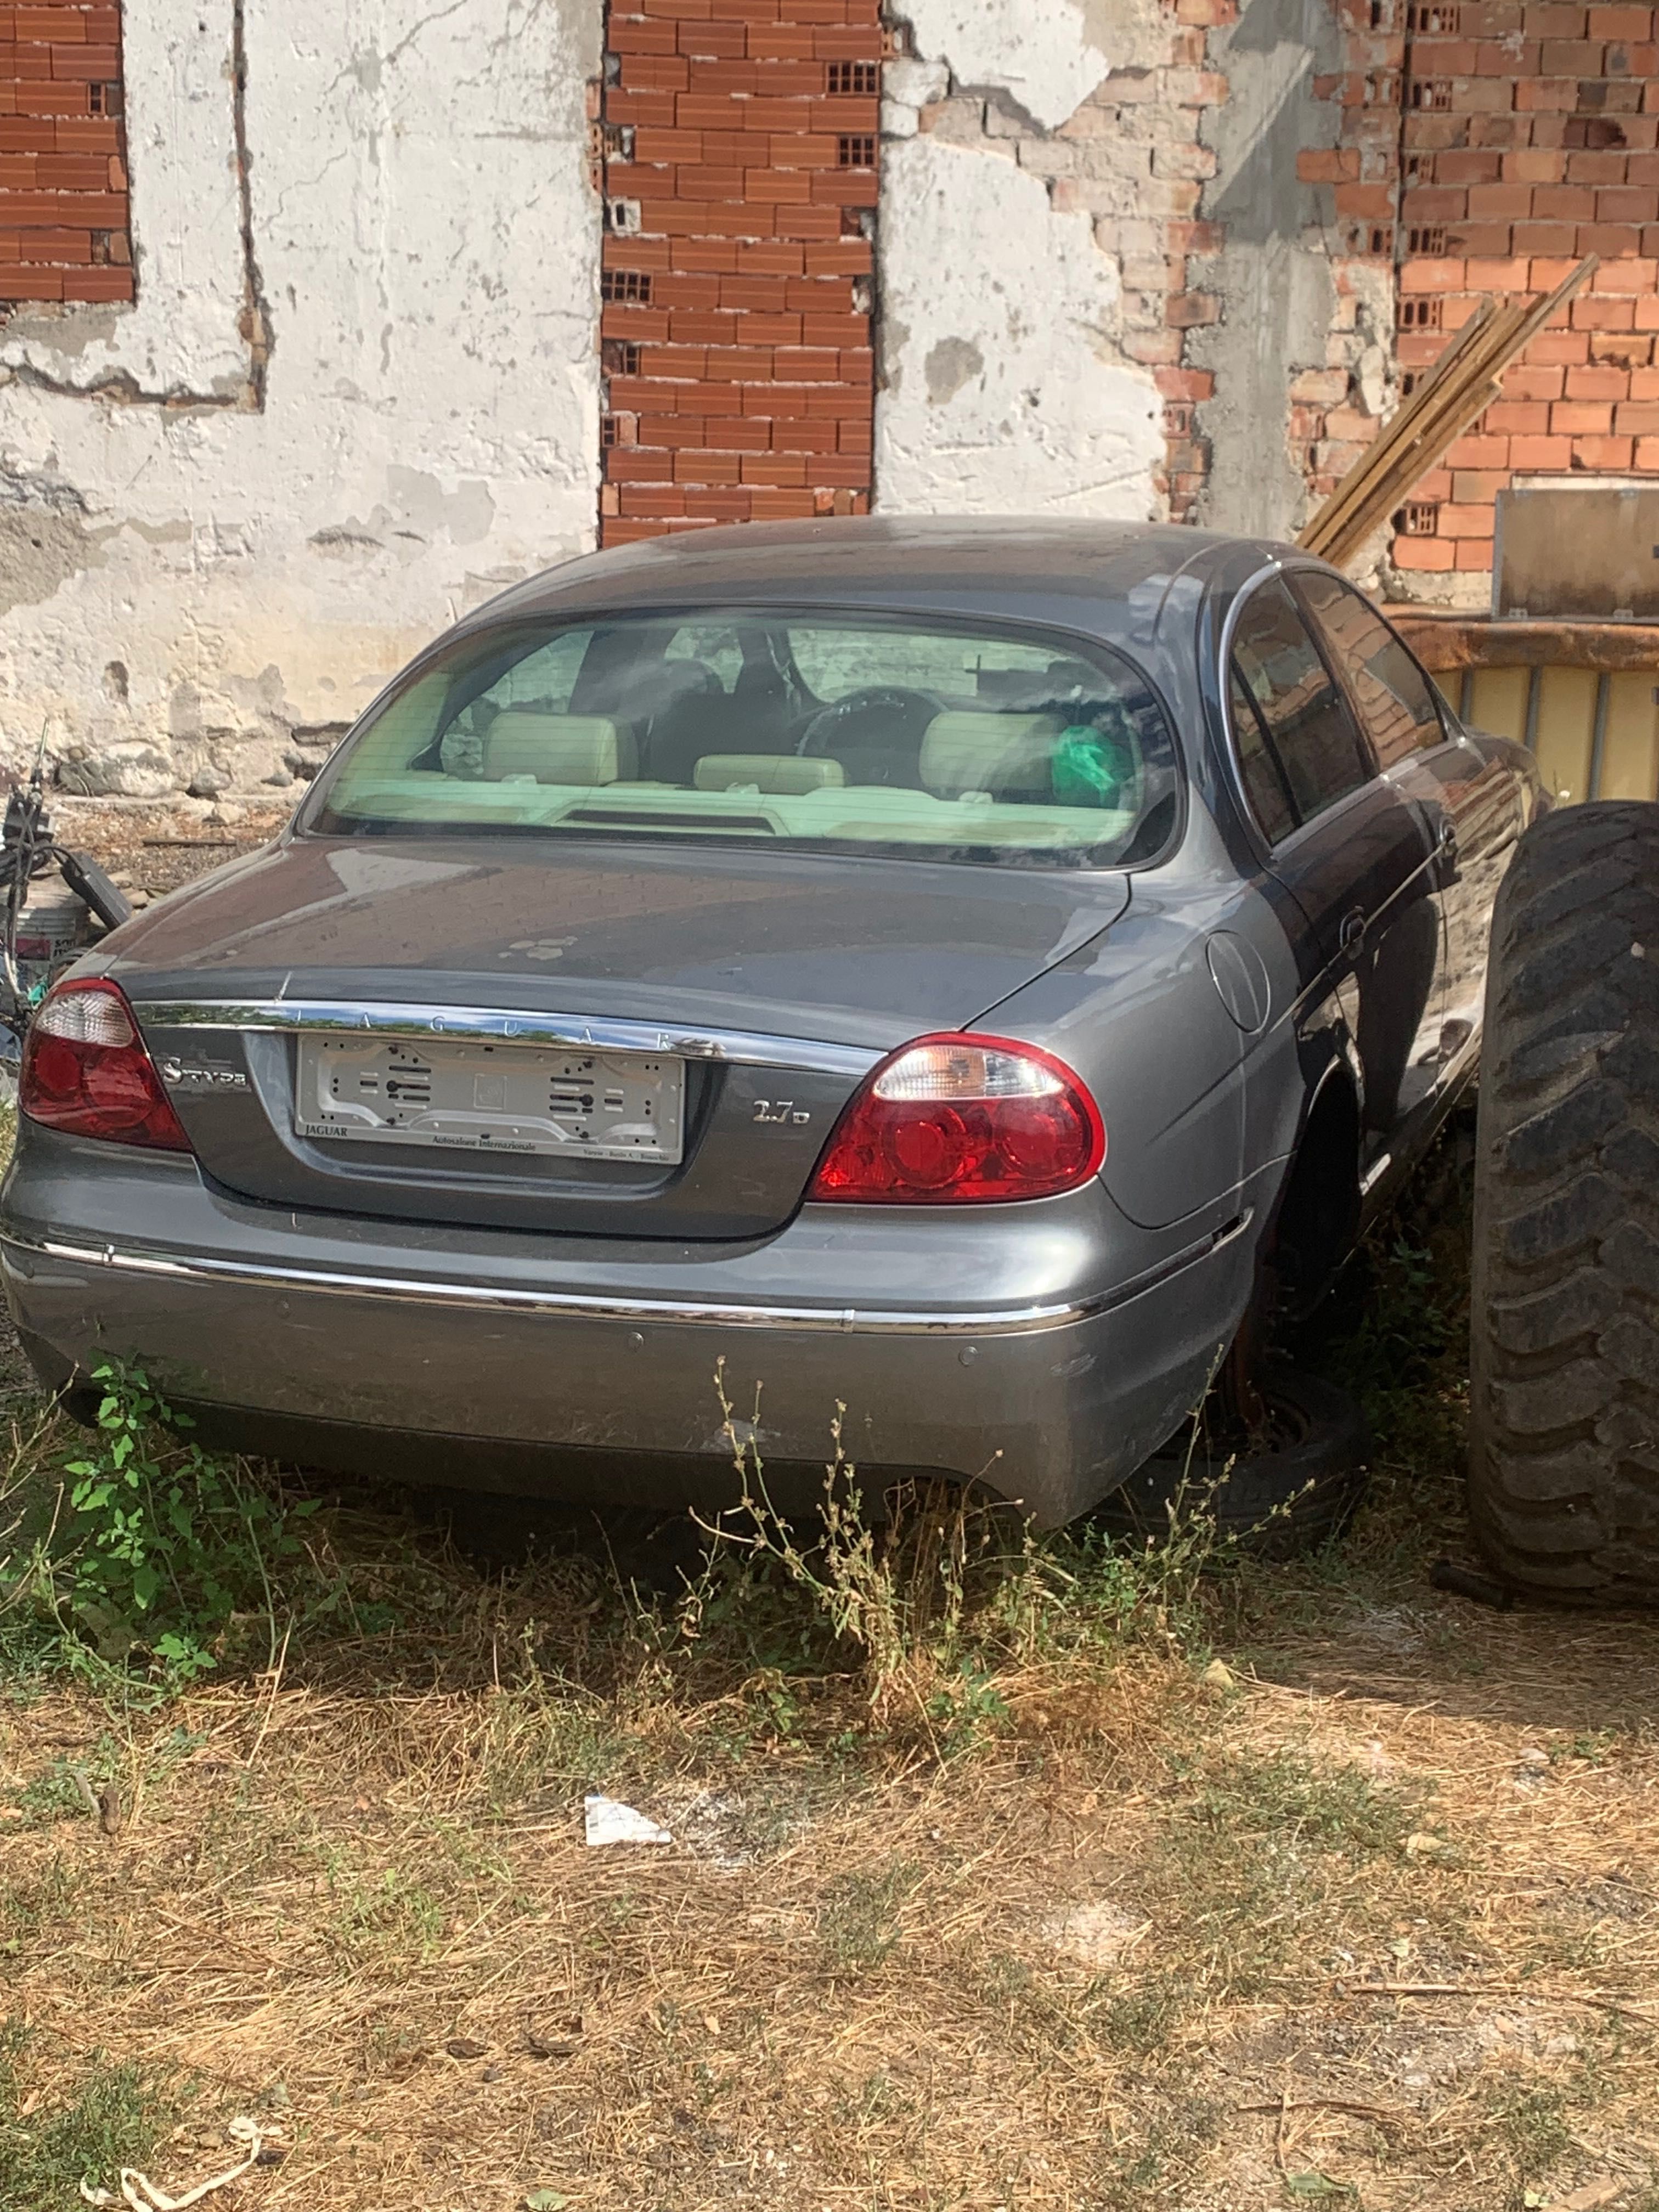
(1018, 1321)
(586, 1032)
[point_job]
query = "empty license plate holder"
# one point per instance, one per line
(457, 1094)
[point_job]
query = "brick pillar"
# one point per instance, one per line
(738, 139)
(64, 223)
(1333, 416)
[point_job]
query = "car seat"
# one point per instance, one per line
(575, 749)
(1008, 756)
(698, 718)
(877, 735)
(642, 696)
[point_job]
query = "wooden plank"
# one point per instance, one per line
(1409, 448)
(1448, 643)
(1405, 435)
(1402, 420)
(1389, 489)
(1463, 385)
(1396, 449)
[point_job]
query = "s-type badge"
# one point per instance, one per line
(192, 1075)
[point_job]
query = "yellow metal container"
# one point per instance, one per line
(1582, 696)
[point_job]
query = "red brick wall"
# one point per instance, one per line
(737, 139)
(64, 218)
(1485, 147)
(1530, 135)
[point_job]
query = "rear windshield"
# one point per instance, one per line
(850, 732)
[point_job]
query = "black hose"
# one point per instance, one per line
(28, 850)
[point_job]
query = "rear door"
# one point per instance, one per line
(1352, 852)
(1467, 801)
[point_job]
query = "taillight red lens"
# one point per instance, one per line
(85, 1070)
(953, 1121)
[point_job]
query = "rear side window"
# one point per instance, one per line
(1391, 691)
(1264, 779)
(1304, 719)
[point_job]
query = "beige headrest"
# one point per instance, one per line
(580, 748)
(781, 773)
(1010, 755)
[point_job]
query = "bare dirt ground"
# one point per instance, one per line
(151, 849)
(1072, 1881)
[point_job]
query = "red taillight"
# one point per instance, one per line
(85, 1070)
(950, 1121)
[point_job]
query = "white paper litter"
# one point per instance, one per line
(608, 1822)
(140, 2193)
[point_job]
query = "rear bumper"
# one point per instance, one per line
(1047, 1349)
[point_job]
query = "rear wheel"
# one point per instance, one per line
(1291, 1491)
(1564, 1461)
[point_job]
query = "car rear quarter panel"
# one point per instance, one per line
(1139, 1014)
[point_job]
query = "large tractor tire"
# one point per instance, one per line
(1564, 1459)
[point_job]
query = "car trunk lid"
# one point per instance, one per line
(760, 992)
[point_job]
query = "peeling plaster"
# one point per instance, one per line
(950, 364)
(40, 549)
(464, 515)
(1003, 382)
(1047, 56)
(430, 422)
(1020, 406)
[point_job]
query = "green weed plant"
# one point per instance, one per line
(157, 1550)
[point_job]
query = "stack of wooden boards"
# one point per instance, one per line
(1456, 392)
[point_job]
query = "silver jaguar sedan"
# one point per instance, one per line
(973, 972)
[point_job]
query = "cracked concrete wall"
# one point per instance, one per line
(1273, 269)
(359, 392)
(1005, 384)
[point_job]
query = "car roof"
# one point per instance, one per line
(1111, 578)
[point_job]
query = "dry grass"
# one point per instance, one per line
(1065, 1918)
(1126, 1970)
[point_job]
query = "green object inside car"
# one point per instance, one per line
(1092, 766)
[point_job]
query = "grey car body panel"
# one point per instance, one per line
(1046, 1346)
(838, 951)
(1053, 1256)
(858, 951)
(1053, 1411)
(1109, 580)
(1138, 1013)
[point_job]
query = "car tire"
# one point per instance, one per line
(1292, 1498)
(1564, 1401)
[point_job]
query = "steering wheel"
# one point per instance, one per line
(900, 718)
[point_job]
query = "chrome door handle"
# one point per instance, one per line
(1352, 934)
